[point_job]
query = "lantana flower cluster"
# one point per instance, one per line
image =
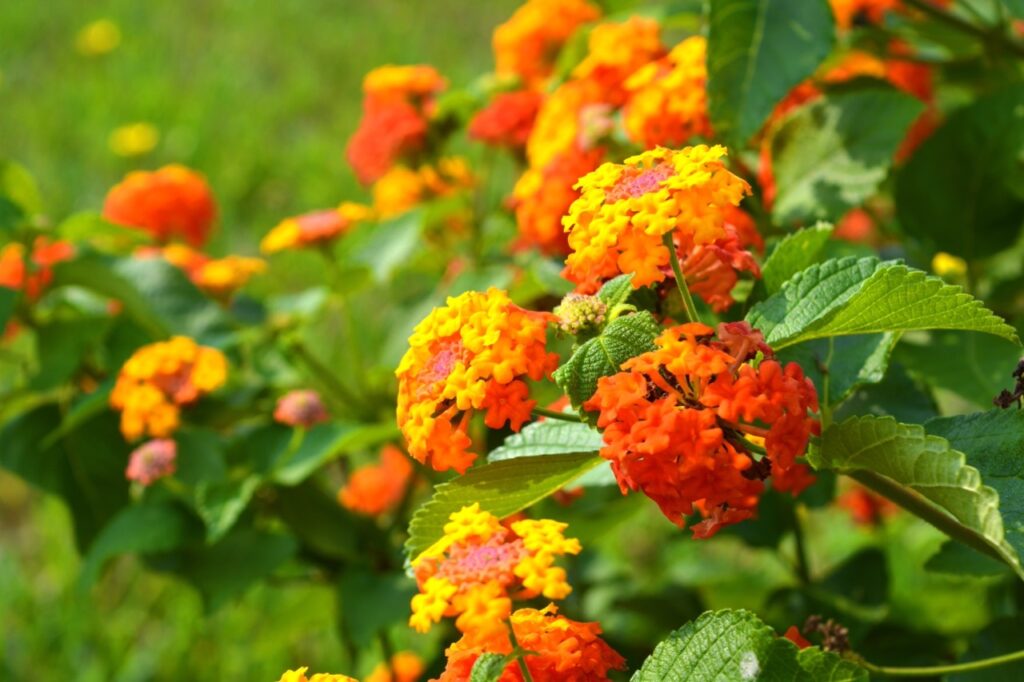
(701, 422)
(472, 354)
(32, 272)
(171, 203)
(314, 229)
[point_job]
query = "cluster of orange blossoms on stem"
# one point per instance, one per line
(299, 675)
(561, 650)
(405, 666)
(32, 274)
(684, 424)
(403, 188)
(471, 354)
(525, 46)
(397, 105)
(314, 229)
(624, 211)
(158, 379)
(170, 203)
(479, 566)
(219, 277)
(378, 488)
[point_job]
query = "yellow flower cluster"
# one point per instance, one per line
(299, 675)
(160, 378)
(617, 50)
(402, 188)
(469, 355)
(616, 225)
(667, 99)
(403, 81)
(525, 46)
(479, 566)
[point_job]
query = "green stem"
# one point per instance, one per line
(520, 655)
(826, 405)
(551, 414)
(323, 374)
(803, 570)
(935, 671)
(989, 37)
(689, 308)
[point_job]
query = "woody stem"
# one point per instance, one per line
(689, 308)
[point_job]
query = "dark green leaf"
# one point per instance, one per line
(850, 361)
(962, 189)
(958, 559)
(325, 442)
(796, 252)
(829, 156)
(370, 603)
(322, 525)
(502, 488)
(757, 51)
(62, 345)
(8, 302)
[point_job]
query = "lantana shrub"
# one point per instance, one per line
(750, 269)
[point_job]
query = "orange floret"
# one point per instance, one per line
(405, 666)
(507, 120)
(617, 224)
(561, 650)
(479, 566)
(379, 488)
(527, 45)
(682, 423)
(667, 99)
(158, 379)
(170, 203)
(616, 51)
(415, 83)
(467, 356)
(314, 229)
(34, 274)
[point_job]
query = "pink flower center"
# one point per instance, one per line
(481, 563)
(635, 182)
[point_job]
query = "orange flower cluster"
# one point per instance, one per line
(848, 13)
(299, 675)
(170, 203)
(526, 46)
(561, 650)
(711, 269)
(677, 420)
(33, 274)
(507, 120)
(401, 188)
(397, 105)
(617, 224)
(405, 666)
(479, 566)
(152, 461)
(667, 98)
(218, 277)
(315, 228)
(300, 408)
(616, 51)
(469, 355)
(379, 488)
(160, 378)
(865, 507)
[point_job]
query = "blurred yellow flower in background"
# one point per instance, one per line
(134, 139)
(947, 265)
(98, 38)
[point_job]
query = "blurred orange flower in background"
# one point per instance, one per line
(170, 203)
(378, 488)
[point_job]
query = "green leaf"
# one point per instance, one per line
(325, 442)
(624, 337)
(501, 488)
(8, 302)
(139, 528)
(796, 252)
(371, 602)
(757, 51)
(737, 645)
(993, 442)
(200, 456)
(19, 187)
(62, 345)
(322, 525)
(489, 667)
(548, 437)
(616, 290)
(864, 296)
(387, 246)
(94, 229)
(851, 362)
(922, 473)
(220, 503)
(958, 559)
(962, 189)
(831, 155)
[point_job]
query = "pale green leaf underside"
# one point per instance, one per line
(548, 437)
(728, 645)
(902, 460)
(502, 488)
(848, 296)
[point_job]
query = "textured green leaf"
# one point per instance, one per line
(489, 667)
(923, 473)
(963, 189)
(141, 529)
(737, 645)
(502, 488)
(829, 156)
(616, 290)
(864, 296)
(220, 503)
(796, 252)
(850, 361)
(548, 437)
(624, 337)
(757, 51)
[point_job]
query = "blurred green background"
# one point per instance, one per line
(261, 97)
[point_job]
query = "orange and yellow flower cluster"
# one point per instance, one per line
(472, 354)
(479, 566)
(527, 45)
(624, 210)
(315, 228)
(170, 203)
(560, 650)
(32, 274)
(158, 379)
(403, 188)
(299, 675)
(684, 423)
(378, 488)
(219, 277)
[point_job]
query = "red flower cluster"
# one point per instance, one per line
(170, 203)
(397, 105)
(34, 273)
(678, 423)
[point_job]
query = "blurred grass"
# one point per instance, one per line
(261, 97)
